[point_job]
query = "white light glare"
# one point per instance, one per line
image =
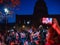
(6, 10)
(28, 22)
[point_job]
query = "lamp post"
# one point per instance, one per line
(6, 16)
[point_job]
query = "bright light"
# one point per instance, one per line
(23, 26)
(28, 22)
(6, 11)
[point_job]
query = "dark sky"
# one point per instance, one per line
(26, 7)
(53, 6)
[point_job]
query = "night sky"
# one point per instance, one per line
(26, 7)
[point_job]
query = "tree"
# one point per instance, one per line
(40, 10)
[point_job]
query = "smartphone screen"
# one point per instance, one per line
(47, 20)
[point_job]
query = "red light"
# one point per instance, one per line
(1, 1)
(10, 2)
(15, 2)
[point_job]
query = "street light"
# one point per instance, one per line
(28, 22)
(6, 11)
(6, 15)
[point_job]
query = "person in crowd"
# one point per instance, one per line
(24, 36)
(2, 41)
(34, 36)
(17, 39)
(53, 35)
(12, 37)
(12, 42)
(7, 38)
(43, 32)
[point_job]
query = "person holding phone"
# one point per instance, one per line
(53, 37)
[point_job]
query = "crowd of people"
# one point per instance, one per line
(32, 36)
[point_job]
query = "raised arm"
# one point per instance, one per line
(56, 26)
